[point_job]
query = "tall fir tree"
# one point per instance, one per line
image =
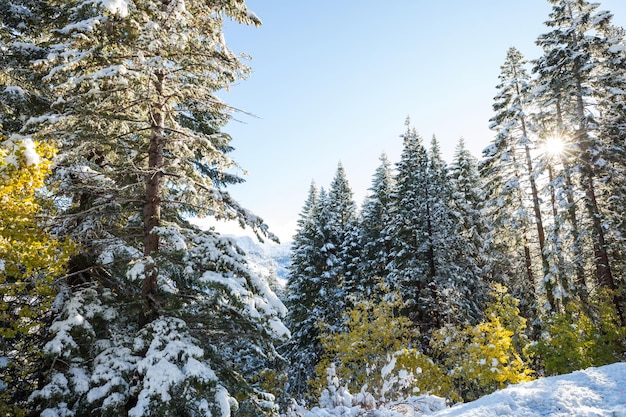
(456, 275)
(374, 228)
(611, 82)
(409, 271)
(573, 60)
(468, 208)
(306, 268)
(344, 237)
(511, 120)
(502, 168)
(156, 316)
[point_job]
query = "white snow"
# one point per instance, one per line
(171, 358)
(15, 91)
(136, 271)
(31, 155)
(117, 7)
(18, 144)
(172, 237)
(594, 392)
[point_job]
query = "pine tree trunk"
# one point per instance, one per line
(581, 282)
(549, 285)
(528, 264)
(556, 238)
(152, 206)
(601, 256)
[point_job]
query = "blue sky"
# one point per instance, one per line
(333, 81)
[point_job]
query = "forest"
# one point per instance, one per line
(451, 279)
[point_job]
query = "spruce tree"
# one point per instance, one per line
(156, 316)
(467, 205)
(511, 120)
(456, 275)
(611, 81)
(343, 241)
(303, 294)
(502, 168)
(569, 69)
(374, 228)
(409, 271)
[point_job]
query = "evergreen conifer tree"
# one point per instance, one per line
(573, 60)
(612, 104)
(343, 236)
(304, 283)
(511, 104)
(468, 206)
(156, 316)
(502, 168)
(374, 229)
(409, 271)
(428, 266)
(456, 276)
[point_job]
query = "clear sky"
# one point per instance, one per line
(334, 80)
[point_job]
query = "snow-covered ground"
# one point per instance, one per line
(594, 392)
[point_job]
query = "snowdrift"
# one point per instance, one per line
(596, 392)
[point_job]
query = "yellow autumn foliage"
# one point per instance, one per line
(577, 339)
(359, 353)
(30, 259)
(415, 373)
(489, 355)
(374, 355)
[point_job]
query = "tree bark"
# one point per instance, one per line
(528, 264)
(152, 205)
(545, 265)
(581, 282)
(601, 256)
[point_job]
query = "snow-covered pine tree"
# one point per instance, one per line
(502, 168)
(468, 205)
(324, 252)
(409, 271)
(344, 242)
(308, 264)
(511, 119)
(573, 59)
(157, 316)
(610, 87)
(375, 224)
(468, 201)
(429, 268)
(456, 276)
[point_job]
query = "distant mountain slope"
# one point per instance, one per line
(267, 259)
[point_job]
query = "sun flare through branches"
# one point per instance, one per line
(554, 146)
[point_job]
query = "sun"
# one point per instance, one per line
(554, 146)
